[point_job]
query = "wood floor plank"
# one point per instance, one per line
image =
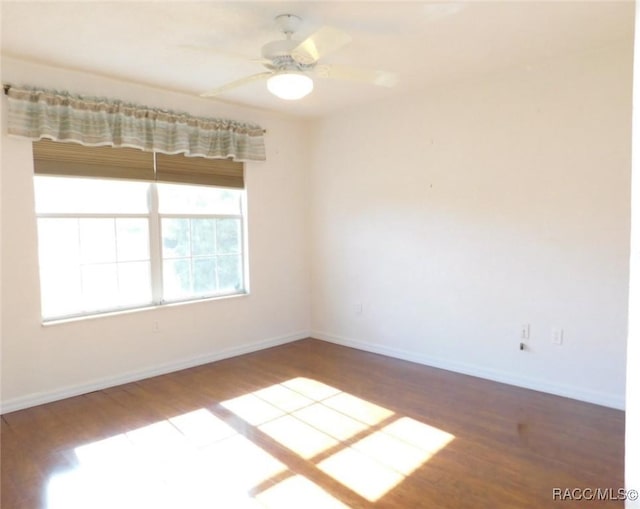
(310, 420)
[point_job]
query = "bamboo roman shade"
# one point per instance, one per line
(72, 159)
(54, 158)
(197, 170)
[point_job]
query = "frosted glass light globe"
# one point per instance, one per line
(290, 85)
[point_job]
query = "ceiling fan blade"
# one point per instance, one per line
(318, 44)
(343, 72)
(237, 83)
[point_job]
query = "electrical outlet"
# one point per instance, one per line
(557, 336)
(357, 308)
(524, 331)
(155, 327)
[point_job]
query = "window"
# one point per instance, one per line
(201, 241)
(114, 244)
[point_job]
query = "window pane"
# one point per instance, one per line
(134, 281)
(183, 199)
(78, 268)
(176, 279)
(83, 195)
(100, 286)
(230, 273)
(132, 236)
(58, 241)
(97, 240)
(204, 276)
(228, 236)
(203, 236)
(61, 289)
(175, 238)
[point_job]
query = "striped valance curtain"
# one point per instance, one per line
(60, 116)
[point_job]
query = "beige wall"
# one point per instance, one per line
(42, 363)
(457, 214)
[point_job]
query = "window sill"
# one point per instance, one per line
(153, 307)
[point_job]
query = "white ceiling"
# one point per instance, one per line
(423, 42)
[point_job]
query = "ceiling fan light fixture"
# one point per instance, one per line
(290, 85)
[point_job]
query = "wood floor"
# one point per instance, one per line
(310, 425)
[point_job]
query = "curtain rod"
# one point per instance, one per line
(7, 87)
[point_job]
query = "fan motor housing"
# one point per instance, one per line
(279, 55)
(278, 48)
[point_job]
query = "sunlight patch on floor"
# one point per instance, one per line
(428, 438)
(201, 428)
(193, 461)
(306, 441)
(359, 473)
(357, 408)
(198, 460)
(253, 409)
(283, 398)
(330, 421)
(238, 462)
(380, 461)
(298, 492)
(311, 388)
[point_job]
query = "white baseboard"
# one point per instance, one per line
(40, 398)
(598, 398)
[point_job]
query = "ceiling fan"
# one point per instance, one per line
(292, 64)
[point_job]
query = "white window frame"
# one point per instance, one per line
(154, 218)
(160, 217)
